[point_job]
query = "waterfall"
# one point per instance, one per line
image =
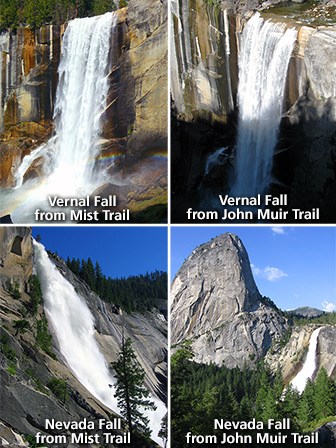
(72, 324)
(69, 157)
(266, 48)
(214, 159)
(309, 367)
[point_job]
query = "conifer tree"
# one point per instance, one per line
(132, 396)
(163, 433)
(324, 397)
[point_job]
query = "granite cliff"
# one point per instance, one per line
(205, 49)
(216, 305)
(134, 128)
(290, 356)
(28, 366)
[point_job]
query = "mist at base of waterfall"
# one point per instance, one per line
(68, 160)
(73, 328)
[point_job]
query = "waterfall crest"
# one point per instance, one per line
(69, 157)
(266, 48)
(309, 367)
(72, 325)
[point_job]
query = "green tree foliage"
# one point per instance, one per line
(132, 396)
(59, 388)
(135, 293)
(200, 393)
(21, 326)
(325, 396)
(9, 14)
(163, 433)
(43, 337)
(36, 13)
(6, 349)
(13, 290)
(103, 6)
(324, 319)
(35, 295)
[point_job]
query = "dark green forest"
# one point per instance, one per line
(200, 393)
(135, 293)
(35, 13)
(324, 319)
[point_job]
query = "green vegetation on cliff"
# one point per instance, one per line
(43, 337)
(35, 13)
(324, 319)
(59, 388)
(134, 293)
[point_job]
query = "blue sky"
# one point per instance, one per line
(294, 266)
(121, 251)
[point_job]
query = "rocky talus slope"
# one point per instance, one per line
(216, 305)
(26, 369)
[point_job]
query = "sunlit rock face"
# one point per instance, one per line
(16, 256)
(29, 62)
(204, 61)
(29, 401)
(133, 123)
(206, 45)
(291, 357)
(216, 305)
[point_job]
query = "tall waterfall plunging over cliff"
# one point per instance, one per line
(72, 324)
(309, 367)
(80, 100)
(266, 48)
(69, 157)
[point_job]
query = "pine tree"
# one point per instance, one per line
(132, 396)
(163, 433)
(324, 398)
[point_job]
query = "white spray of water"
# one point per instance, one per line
(69, 157)
(73, 326)
(214, 159)
(309, 367)
(266, 48)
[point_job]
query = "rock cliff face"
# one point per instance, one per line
(25, 369)
(204, 62)
(205, 48)
(291, 356)
(217, 305)
(147, 330)
(135, 119)
(29, 62)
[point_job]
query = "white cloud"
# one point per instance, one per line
(273, 274)
(329, 307)
(278, 230)
(256, 271)
(270, 273)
